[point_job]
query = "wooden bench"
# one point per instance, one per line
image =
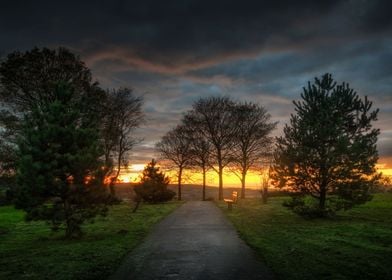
(231, 201)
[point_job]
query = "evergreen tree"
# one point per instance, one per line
(59, 172)
(28, 81)
(329, 149)
(153, 185)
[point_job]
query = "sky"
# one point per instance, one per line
(174, 52)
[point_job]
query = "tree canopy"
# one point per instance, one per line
(59, 168)
(328, 150)
(176, 147)
(122, 115)
(64, 134)
(28, 81)
(213, 117)
(218, 133)
(252, 138)
(153, 185)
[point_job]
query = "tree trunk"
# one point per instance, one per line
(68, 226)
(137, 204)
(72, 228)
(179, 183)
(220, 182)
(119, 157)
(323, 187)
(114, 179)
(204, 184)
(323, 197)
(243, 178)
(265, 194)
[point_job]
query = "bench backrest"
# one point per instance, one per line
(234, 196)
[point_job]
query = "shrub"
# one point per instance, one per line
(308, 207)
(153, 185)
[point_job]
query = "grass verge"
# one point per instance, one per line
(357, 244)
(32, 251)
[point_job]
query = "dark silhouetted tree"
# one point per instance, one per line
(213, 118)
(252, 139)
(329, 149)
(8, 143)
(28, 81)
(123, 114)
(153, 185)
(59, 171)
(201, 153)
(175, 146)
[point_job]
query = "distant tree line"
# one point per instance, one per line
(219, 133)
(64, 139)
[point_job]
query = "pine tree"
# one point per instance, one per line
(59, 171)
(329, 149)
(153, 185)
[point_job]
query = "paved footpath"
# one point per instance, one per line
(196, 241)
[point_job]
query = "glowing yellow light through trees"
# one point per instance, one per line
(384, 168)
(131, 174)
(253, 180)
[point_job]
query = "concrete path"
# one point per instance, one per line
(194, 242)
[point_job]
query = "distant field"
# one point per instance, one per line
(189, 191)
(31, 251)
(355, 245)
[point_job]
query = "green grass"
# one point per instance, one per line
(357, 244)
(32, 251)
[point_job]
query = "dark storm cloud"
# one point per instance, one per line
(184, 33)
(178, 37)
(272, 71)
(174, 52)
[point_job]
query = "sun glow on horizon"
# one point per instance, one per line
(253, 180)
(384, 169)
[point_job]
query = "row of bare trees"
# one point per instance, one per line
(219, 133)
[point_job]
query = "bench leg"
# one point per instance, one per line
(229, 205)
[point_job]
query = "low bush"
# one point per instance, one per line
(153, 185)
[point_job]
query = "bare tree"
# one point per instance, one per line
(252, 138)
(175, 146)
(201, 153)
(123, 115)
(28, 79)
(213, 117)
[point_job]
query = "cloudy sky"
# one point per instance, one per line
(174, 52)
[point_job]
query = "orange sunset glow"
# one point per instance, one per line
(253, 179)
(384, 166)
(191, 139)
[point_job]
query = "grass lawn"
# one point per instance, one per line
(32, 251)
(355, 245)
